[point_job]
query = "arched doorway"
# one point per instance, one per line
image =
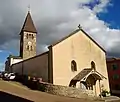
(89, 83)
(83, 85)
(89, 79)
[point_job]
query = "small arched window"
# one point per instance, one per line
(27, 36)
(32, 36)
(73, 66)
(93, 65)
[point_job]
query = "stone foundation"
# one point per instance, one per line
(65, 91)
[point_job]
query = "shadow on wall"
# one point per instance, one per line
(5, 97)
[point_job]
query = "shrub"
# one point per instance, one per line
(41, 87)
(104, 93)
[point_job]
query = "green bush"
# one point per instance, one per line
(41, 87)
(104, 93)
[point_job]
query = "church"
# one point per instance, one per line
(75, 61)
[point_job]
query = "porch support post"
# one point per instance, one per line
(100, 88)
(95, 89)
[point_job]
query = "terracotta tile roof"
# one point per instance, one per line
(28, 24)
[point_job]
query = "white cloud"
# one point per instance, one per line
(55, 19)
(102, 6)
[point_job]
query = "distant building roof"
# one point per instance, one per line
(112, 59)
(28, 24)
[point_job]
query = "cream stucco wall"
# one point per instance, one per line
(10, 61)
(83, 50)
(36, 66)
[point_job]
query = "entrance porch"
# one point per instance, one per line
(88, 79)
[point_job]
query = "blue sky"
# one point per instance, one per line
(54, 22)
(112, 16)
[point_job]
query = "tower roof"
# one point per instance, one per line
(28, 24)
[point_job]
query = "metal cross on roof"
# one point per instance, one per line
(79, 26)
(29, 8)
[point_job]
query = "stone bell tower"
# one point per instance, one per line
(28, 38)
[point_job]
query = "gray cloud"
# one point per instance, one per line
(54, 19)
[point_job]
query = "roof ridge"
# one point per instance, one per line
(74, 32)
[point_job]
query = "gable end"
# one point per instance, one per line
(75, 33)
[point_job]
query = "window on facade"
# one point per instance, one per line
(115, 76)
(114, 66)
(93, 65)
(73, 66)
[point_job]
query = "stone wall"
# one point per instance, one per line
(65, 91)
